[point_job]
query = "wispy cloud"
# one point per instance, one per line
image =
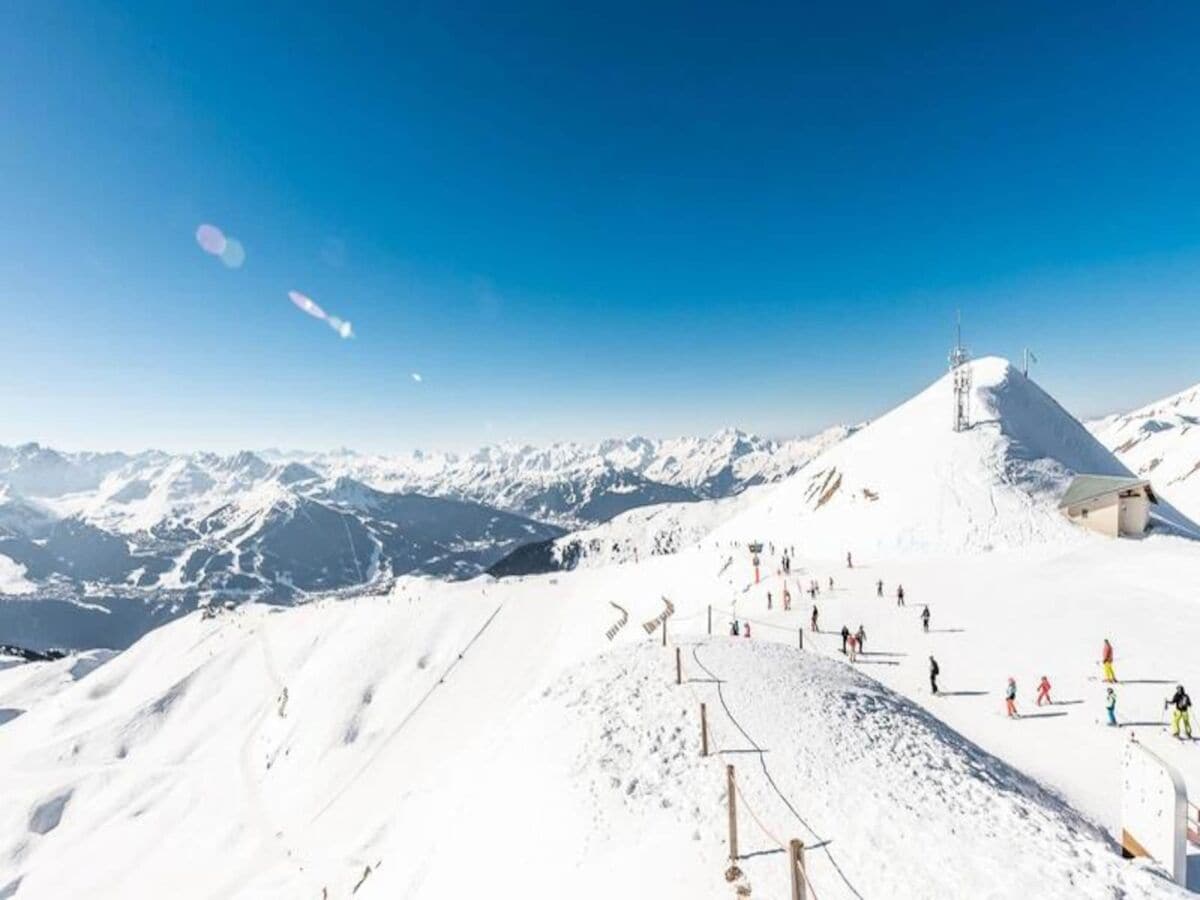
(416, 376)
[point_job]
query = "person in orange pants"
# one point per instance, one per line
(1043, 695)
(1010, 698)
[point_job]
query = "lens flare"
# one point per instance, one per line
(234, 253)
(211, 239)
(306, 304)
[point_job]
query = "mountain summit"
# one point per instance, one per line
(909, 484)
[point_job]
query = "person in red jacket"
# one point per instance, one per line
(1106, 661)
(1043, 694)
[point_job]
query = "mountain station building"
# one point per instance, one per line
(1117, 507)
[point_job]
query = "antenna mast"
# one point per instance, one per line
(961, 377)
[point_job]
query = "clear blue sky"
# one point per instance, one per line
(582, 222)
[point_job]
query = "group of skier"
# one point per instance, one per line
(854, 643)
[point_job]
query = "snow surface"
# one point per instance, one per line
(483, 737)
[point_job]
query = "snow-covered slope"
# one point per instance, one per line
(358, 747)
(1160, 441)
(908, 484)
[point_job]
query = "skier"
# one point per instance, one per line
(1043, 694)
(845, 637)
(1110, 706)
(768, 601)
(814, 619)
(934, 672)
(853, 648)
(900, 595)
(734, 628)
(1106, 660)
(849, 561)
(925, 618)
(1010, 698)
(861, 635)
(1180, 716)
(787, 600)
(831, 582)
(879, 588)
(746, 630)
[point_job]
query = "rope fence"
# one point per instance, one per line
(820, 842)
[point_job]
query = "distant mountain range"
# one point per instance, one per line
(579, 485)
(169, 530)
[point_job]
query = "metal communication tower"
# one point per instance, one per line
(961, 376)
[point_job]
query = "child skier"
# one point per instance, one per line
(925, 618)
(787, 600)
(934, 671)
(1180, 716)
(1110, 706)
(853, 639)
(1010, 698)
(1043, 694)
(1106, 660)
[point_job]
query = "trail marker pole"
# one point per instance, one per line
(678, 667)
(733, 872)
(796, 863)
(703, 729)
(710, 620)
(800, 635)
(664, 632)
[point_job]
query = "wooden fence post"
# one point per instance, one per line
(678, 667)
(703, 729)
(733, 872)
(796, 864)
(710, 620)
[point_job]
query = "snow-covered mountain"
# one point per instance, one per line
(343, 748)
(144, 536)
(1160, 441)
(140, 539)
(903, 484)
(578, 485)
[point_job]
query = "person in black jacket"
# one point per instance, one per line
(845, 635)
(934, 671)
(1180, 715)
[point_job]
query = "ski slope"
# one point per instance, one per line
(453, 739)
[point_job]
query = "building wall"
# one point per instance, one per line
(1134, 514)
(1101, 514)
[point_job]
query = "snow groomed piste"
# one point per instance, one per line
(457, 739)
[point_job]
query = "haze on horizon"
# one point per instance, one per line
(575, 225)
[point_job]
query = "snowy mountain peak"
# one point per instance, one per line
(909, 484)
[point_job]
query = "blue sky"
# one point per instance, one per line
(582, 222)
